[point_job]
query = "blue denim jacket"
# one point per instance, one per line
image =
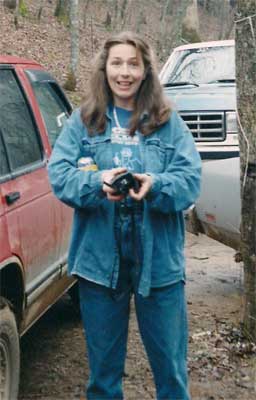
(170, 157)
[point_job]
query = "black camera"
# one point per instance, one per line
(123, 183)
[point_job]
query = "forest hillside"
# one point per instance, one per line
(38, 34)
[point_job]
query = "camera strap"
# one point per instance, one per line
(128, 211)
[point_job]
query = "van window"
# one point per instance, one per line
(200, 65)
(18, 130)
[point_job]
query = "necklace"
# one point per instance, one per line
(118, 130)
(116, 118)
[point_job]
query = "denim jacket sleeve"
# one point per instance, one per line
(75, 187)
(178, 186)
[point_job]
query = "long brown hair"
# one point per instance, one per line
(149, 101)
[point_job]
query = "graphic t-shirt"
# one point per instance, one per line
(126, 151)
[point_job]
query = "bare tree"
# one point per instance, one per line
(11, 4)
(62, 9)
(163, 18)
(20, 5)
(246, 95)
(191, 18)
(226, 17)
(172, 16)
(181, 11)
(40, 10)
(127, 20)
(139, 20)
(123, 9)
(85, 11)
(119, 12)
(74, 36)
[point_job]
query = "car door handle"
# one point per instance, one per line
(12, 197)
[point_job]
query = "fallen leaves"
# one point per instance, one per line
(221, 351)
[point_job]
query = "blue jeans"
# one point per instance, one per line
(162, 323)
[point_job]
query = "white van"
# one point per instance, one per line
(199, 78)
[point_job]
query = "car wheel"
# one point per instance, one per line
(9, 354)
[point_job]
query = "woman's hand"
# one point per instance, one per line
(145, 182)
(107, 177)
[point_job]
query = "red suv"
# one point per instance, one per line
(34, 225)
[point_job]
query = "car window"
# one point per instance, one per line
(53, 111)
(17, 126)
(3, 159)
(53, 104)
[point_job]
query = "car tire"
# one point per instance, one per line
(9, 353)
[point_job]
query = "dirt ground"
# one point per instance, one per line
(222, 363)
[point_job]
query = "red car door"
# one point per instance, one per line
(26, 196)
(54, 110)
(5, 252)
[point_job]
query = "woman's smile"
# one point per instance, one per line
(124, 84)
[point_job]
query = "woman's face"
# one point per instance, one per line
(125, 72)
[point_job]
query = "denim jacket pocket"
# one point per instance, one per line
(99, 149)
(158, 155)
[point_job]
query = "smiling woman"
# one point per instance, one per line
(130, 242)
(148, 97)
(125, 73)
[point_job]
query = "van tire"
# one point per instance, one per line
(9, 353)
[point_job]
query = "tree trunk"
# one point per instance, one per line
(19, 5)
(123, 9)
(139, 20)
(85, 10)
(181, 13)
(40, 10)
(11, 4)
(246, 96)
(61, 9)
(74, 28)
(163, 20)
(170, 32)
(74, 38)
(191, 18)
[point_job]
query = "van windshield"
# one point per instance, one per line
(198, 66)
